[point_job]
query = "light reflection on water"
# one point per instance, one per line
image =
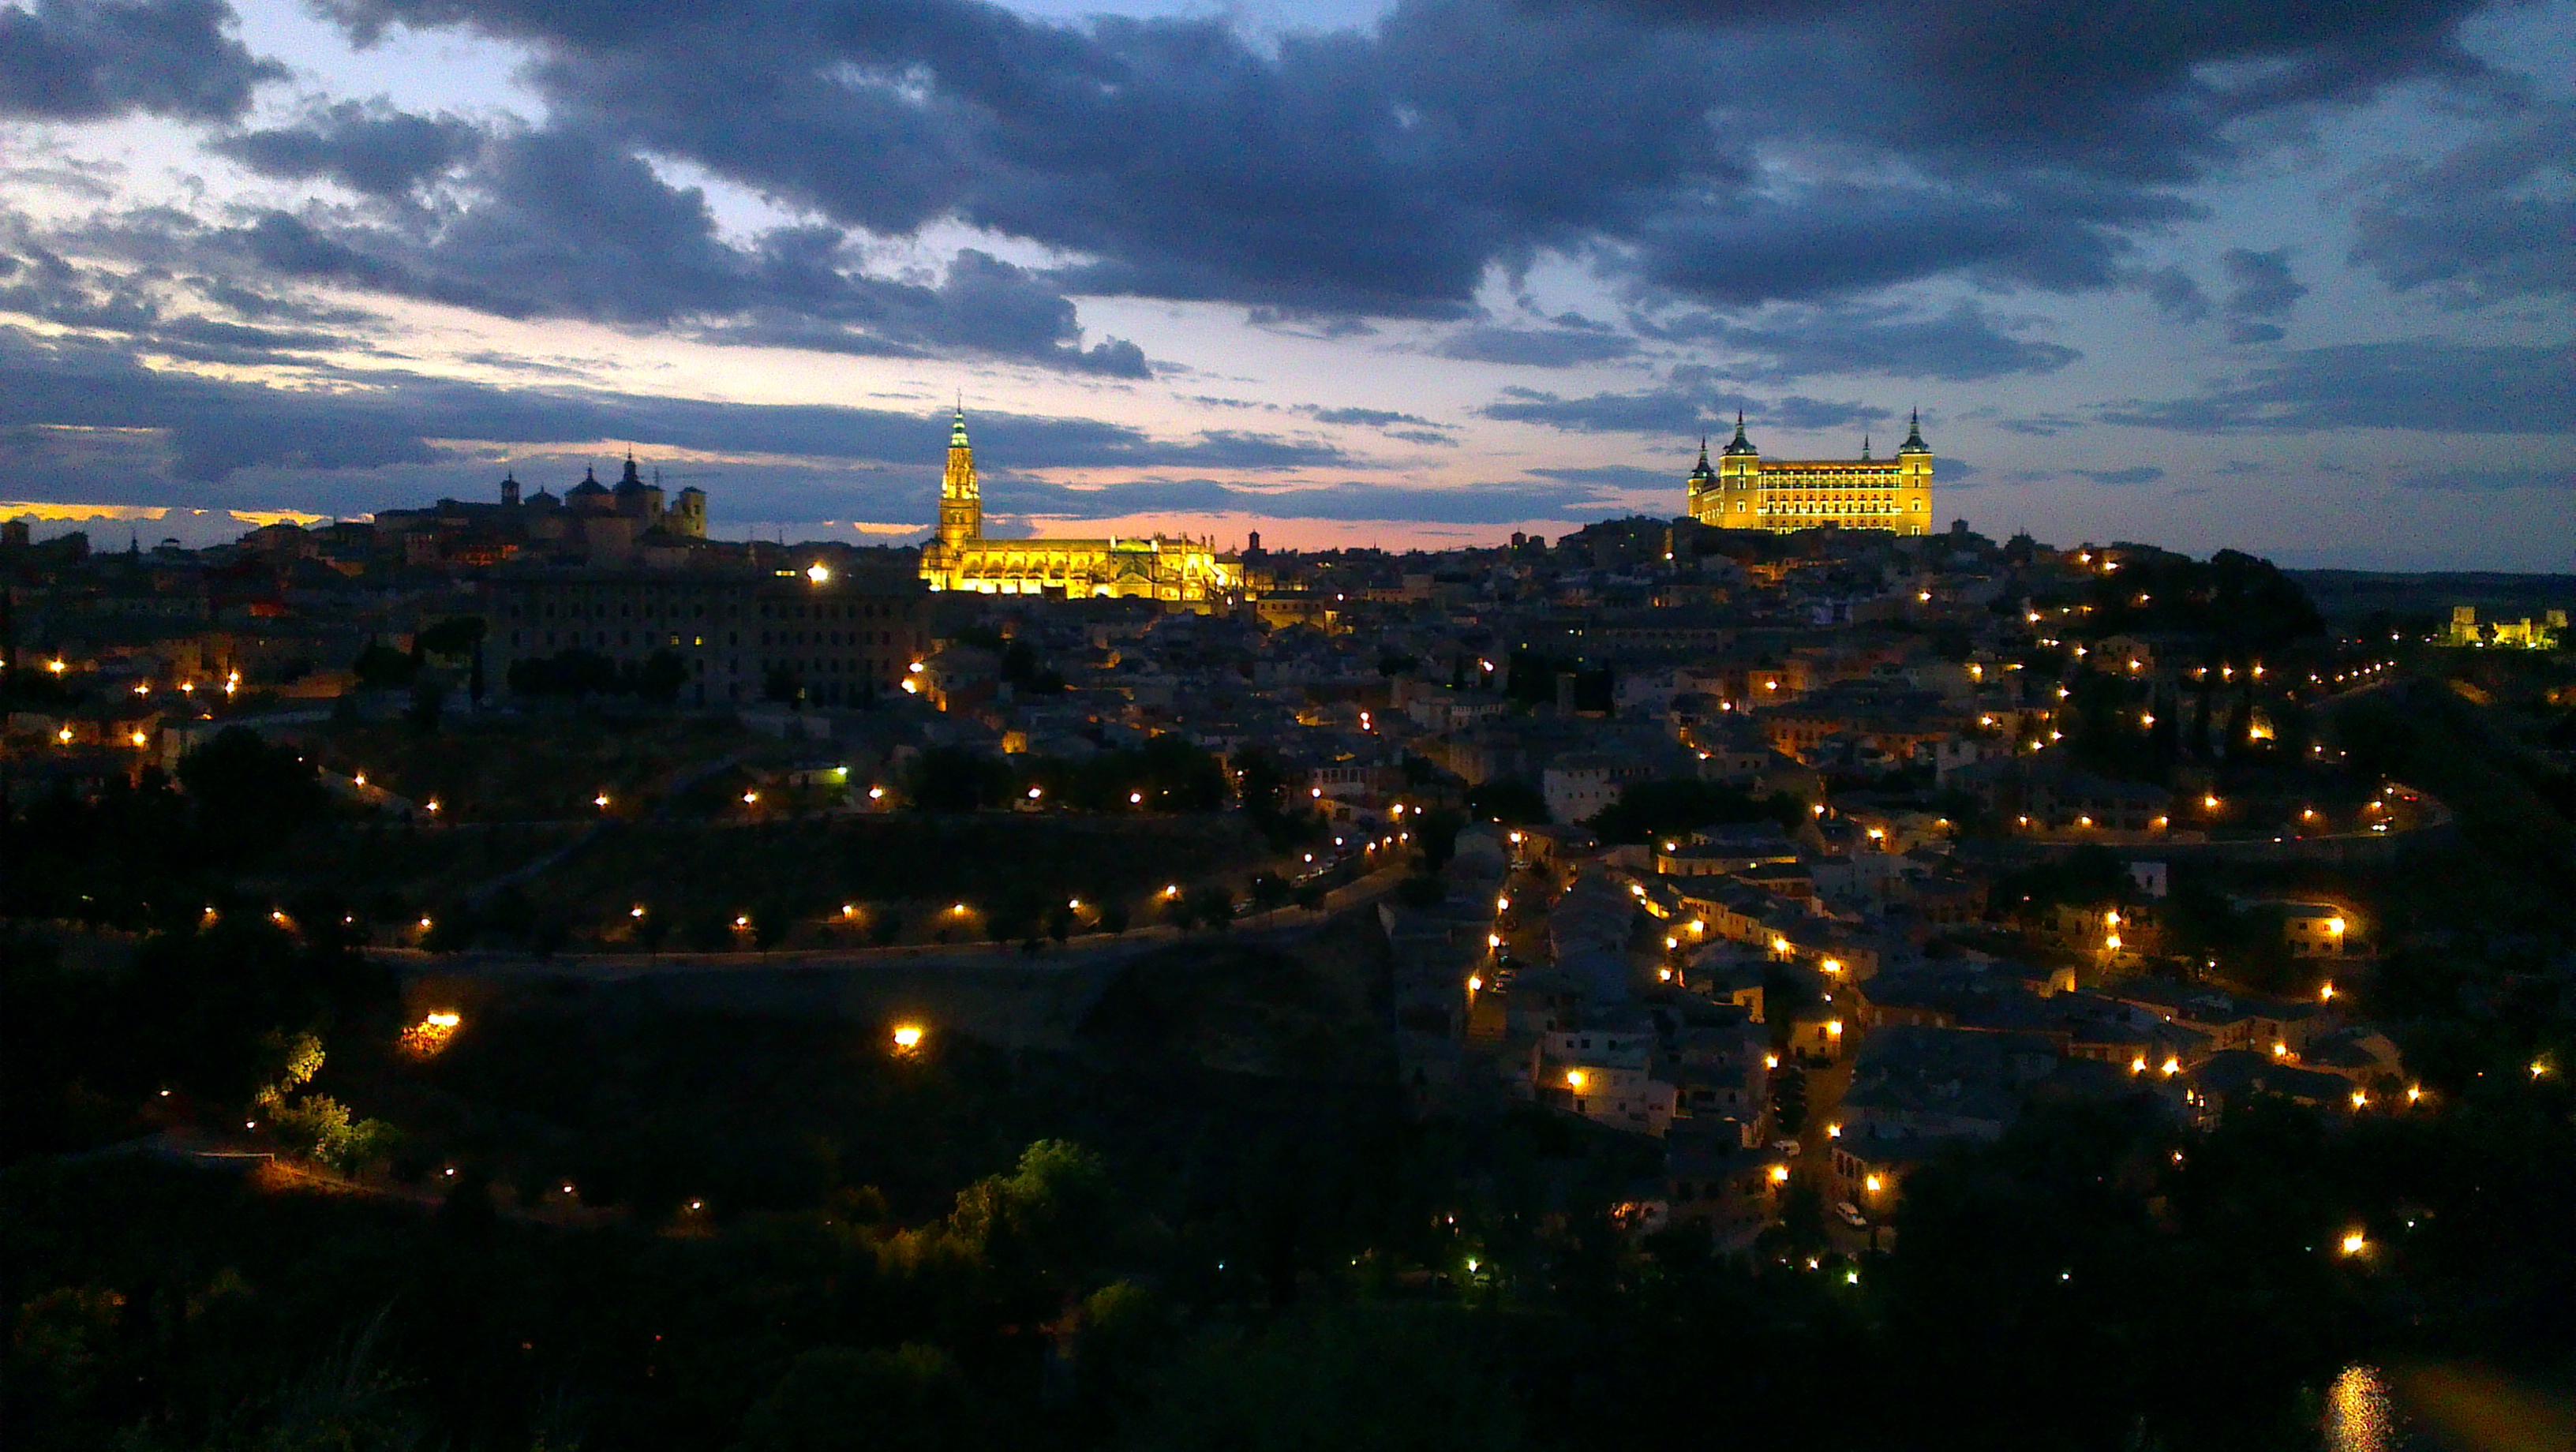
(2364, 1414)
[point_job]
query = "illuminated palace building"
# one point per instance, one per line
(1178, 571)
(1748, 491)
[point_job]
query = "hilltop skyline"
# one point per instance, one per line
(1421, 273)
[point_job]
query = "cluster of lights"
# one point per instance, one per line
(430, 1037)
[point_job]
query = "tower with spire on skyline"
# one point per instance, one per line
(961, 500)
(1748, 491)
(1188, 573)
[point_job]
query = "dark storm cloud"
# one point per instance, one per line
(2486, 480)
(1783, 344)
(1692, 399)
(2260, 293)
(569, 223)
(2134, 474)
(1479, 504)
(90, 60)
(2041, 426)
(2433, 386)
(369, 148)
(216, 428)
(146, 308)
(2175, 293)
(2493, 219)
(1382, 172)
(1796, 412)
(1667, 410)
(1371, 417)
(1568, 341)
(1842, 238)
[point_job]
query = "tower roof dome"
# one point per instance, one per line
(1739, 446)
(1702, 473)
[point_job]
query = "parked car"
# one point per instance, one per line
(1851, 1215)
(1787, 1147)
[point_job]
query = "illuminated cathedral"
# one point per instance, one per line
(1177, 571)
(1748, 491)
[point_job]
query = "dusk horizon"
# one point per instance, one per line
(1420, 273)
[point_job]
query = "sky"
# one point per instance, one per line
(2298, 279)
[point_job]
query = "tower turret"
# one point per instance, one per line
(1914, 479)
(961, 502)
(1914, 436)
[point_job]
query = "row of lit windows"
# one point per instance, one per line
(624, 612)
(590, 607)
(1809, 506)
(830, 612)
(831, 637)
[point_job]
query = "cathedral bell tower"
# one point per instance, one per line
(961, 503)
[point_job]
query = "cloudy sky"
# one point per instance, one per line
(2294, 277)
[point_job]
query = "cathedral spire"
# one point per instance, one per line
(1864, 448)
(957, 430)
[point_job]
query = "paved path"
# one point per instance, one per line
(1088, 949)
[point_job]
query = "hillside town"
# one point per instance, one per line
(1795, 858)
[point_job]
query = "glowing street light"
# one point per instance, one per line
(907, 1037)
(819, 573)
(600, 801)
(1576, 1078)
(1779, 1174)
(2354, 1242)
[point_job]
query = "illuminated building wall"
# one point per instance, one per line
(1748, 491)
(1177, 571)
